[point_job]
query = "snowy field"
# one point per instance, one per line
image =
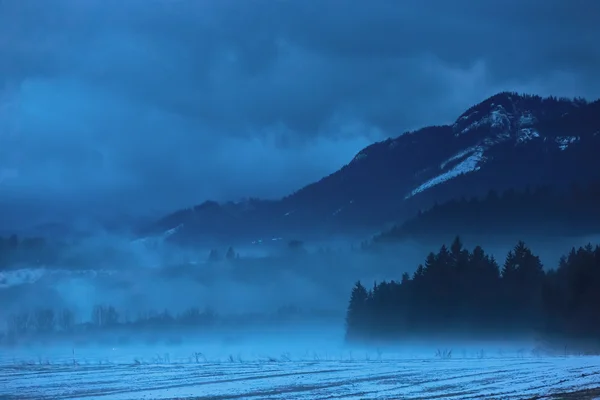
(182, 372)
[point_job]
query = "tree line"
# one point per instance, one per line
(543, 210)
(106, 318)
(457, 291)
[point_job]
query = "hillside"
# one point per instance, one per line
(542, 211)
(507, 141)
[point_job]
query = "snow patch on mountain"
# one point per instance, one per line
(498, 118)
(458, 156)
(469, 164)
(172, 231)
(526, 134)
(527, 119)
(467, 117)
(151, 241)
(564, 141)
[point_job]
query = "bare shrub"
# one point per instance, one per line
(444, 354)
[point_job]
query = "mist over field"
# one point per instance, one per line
(146, 275)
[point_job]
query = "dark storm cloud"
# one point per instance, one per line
(146, 104)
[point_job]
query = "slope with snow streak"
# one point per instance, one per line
(469, 164)
(507, 378)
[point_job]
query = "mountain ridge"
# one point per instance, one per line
(507, 140)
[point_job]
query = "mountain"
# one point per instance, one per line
(507, 141)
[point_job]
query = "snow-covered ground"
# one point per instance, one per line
(252, 372)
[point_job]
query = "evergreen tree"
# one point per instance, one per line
(357, 312)
(230, 255)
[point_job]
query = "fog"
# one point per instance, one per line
(144, 275)
(150, 275)
(317, 343)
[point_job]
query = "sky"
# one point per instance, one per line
(145, 106)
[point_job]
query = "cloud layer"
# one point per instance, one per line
(150, 105)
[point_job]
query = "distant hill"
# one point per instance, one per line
(507, 141)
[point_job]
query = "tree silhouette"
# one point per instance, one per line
(230, 255)
(462, 291)
(357, 311)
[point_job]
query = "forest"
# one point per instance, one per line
(539, 211)
(468, 293)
